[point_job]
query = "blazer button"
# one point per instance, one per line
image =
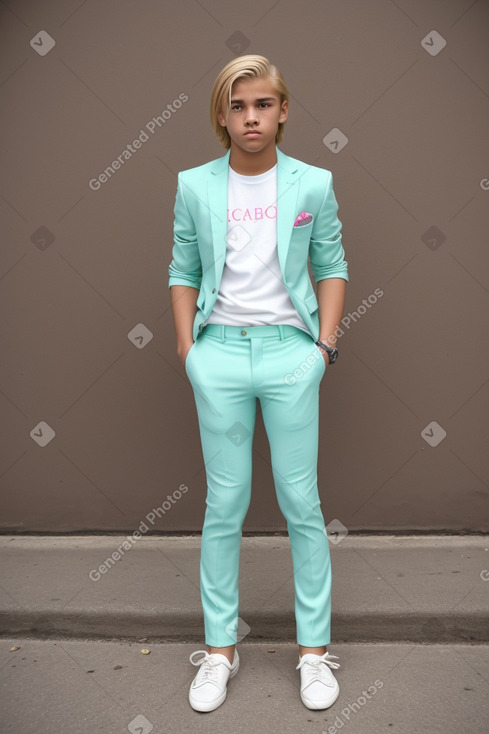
(243, 333)
(213, 290)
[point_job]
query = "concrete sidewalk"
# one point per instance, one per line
(86, 687)
(74, 624)
(385, 588)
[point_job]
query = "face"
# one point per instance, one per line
(255, 106)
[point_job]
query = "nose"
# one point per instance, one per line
(251, 115)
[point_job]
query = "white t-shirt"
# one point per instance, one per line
(252, 292)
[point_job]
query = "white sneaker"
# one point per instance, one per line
(208, 689)
(319, 687)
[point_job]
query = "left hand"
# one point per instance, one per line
(325, 354)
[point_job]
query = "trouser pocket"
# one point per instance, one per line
(188, 355)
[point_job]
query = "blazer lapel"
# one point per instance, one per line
(217, 197)
(287, 193)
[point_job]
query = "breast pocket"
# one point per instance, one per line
(304, 231)
(300, 240)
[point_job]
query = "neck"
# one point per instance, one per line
(252, 164)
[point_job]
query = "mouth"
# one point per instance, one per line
(252, 133)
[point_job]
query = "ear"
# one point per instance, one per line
(221, 120)
(284, 111)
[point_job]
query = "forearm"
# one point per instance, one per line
(331, 298)
(184, 308)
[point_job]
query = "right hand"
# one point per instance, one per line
(183, 351)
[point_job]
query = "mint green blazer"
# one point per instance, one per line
(200, 230)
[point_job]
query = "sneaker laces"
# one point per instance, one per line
(209, 663)
(316, 672)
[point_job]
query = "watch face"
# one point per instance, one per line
(332, 351)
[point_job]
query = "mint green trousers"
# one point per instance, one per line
(229, 367)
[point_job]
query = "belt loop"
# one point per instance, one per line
(223, 332)
(281, 331)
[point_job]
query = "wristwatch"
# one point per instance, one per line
(332, 351)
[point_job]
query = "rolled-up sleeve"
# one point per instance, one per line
(186, 266)
(326, 252)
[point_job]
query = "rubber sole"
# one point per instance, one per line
(315, 707)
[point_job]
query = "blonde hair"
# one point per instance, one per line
(244, 67)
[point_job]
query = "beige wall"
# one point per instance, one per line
(82, 268)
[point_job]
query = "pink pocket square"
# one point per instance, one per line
(302, 219)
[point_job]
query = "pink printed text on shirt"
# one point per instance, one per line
(252, 215)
